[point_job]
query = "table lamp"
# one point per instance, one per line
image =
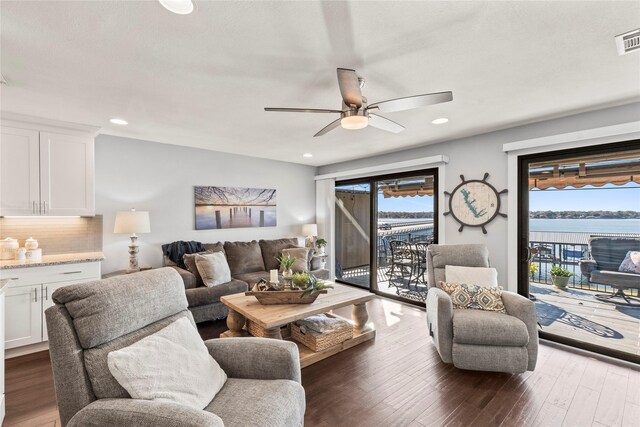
(132, 222)
(310, 231)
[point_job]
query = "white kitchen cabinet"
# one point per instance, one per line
(19, 171)
(28, 295)
(23, 316)
(46, 169)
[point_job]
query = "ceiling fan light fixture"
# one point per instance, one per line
(354, 122)
(180, 7)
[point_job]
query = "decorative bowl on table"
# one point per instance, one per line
(274, 293)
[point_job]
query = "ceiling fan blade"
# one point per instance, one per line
(328, 128)
(349, 87)
(411, 102)
(384, 123)
(301, 110)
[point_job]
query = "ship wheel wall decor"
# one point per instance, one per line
(474, 203)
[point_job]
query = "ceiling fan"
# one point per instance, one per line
(357, 114)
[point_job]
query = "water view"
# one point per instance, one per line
(585, 225)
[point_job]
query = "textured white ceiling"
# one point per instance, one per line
(202, 80)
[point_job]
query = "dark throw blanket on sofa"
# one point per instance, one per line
(176, 250)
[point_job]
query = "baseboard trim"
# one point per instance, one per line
(27, 349)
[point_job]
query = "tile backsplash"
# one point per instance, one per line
(56, 235)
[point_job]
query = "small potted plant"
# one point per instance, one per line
(532, 269)
(321, 243)
(560, 276)
(300, 280)
(308, 283)
(286, 262)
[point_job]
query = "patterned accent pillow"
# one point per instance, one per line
(488, 298)
(631, 263)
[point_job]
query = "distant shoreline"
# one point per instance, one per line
(532, 215)
(584, 215)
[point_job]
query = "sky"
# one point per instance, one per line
(405, 204)
(608, 198)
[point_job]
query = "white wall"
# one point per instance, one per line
(160, 178)
(474, 156)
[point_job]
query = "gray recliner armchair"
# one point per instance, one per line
(90, 320)
(476, 339)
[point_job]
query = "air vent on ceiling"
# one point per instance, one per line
(628, 42)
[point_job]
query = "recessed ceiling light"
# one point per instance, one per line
(181, 7)
(119, 122)
(440, 121)
(307, 155)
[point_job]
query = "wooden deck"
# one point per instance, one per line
(576, 314)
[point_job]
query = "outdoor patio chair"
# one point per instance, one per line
(420, 261)
(607, 254)
(417, 283)
(401, 269)
(476, 339)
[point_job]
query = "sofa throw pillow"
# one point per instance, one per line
(271, 249)
(480, 276)
(173, 365)
(302, 256)
(475, 297)
(631, 263)
(213, 268)
(190, 261)
(244, 257)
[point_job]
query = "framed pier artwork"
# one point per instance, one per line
(234, 207)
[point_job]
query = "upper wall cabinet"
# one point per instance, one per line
(46, 170)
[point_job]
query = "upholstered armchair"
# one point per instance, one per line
(90, 320)
(476, 339)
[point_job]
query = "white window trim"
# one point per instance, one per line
(325, 215)
(388, 168)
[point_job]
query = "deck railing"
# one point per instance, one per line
(566, 250)
(563, 249)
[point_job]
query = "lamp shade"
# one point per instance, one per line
(132, 222)
(310, 230)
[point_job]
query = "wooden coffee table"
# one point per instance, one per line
(272, 317)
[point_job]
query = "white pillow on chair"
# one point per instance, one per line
(480, 276)
(173, 365)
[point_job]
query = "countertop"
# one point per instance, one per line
(53, 260)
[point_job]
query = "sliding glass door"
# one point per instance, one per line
(579, 228)
(353, 231)
(383, 227)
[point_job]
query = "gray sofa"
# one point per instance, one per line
(607, 254)
(475, 339)
(248, 261)
(90, 320)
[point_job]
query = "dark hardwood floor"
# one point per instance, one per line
(398, 380)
